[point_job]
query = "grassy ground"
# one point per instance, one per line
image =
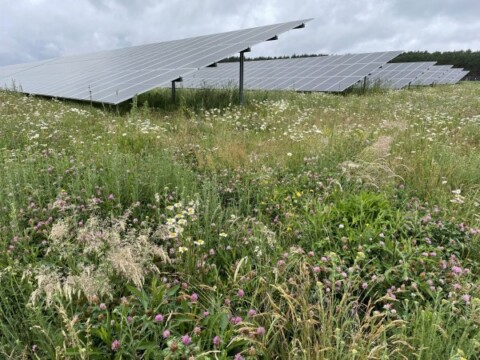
(302, 226)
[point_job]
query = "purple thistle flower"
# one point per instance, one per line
(251, 313)
(216, 340)
(241, 293)
(166, 334)
(186, 340)
(103, 306)
(194, 297)
(159, 318)
(456, 269)
(260, 331)
(115, 345)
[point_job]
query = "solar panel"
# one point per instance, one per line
(118, 75)
(334, 73)
(453, 76)
(432, 75)
(398, 75)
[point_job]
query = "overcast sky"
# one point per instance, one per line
(39, 29)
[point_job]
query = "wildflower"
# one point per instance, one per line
(194, 297)
(238, 356)
(182, 249)
(260, 331)
(341, 226)
(111, 197)
(171, 221)
(166, 334)
(466, 298)
(241, 293)
(206, 313)
(280, 263)
(227, 302)
(197, 330)
(456, 269)
(190, 211)
(311, 254)
(237, 320)
(103, 306)
(364, 285)
(289, 154)
(186, 340)
(170, 207)
(216, 340)
(159, 318)
(115, 345)
(199, 242)
(316, 269)
(129, 319)
(223, 234)
(251, 313)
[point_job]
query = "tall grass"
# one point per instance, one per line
(301, 226)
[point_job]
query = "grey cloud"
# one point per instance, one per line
(39, 29)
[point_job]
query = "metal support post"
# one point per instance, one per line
(174, 92)
(174, 89)
(240, 83)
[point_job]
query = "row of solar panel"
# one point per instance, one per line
(328, 73)
(118, 75)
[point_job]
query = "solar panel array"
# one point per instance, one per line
(325, 73)
(118, 75)
(453, 76)
(398, 75)
(432, 75)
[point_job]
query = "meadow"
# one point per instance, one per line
(301, 226)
